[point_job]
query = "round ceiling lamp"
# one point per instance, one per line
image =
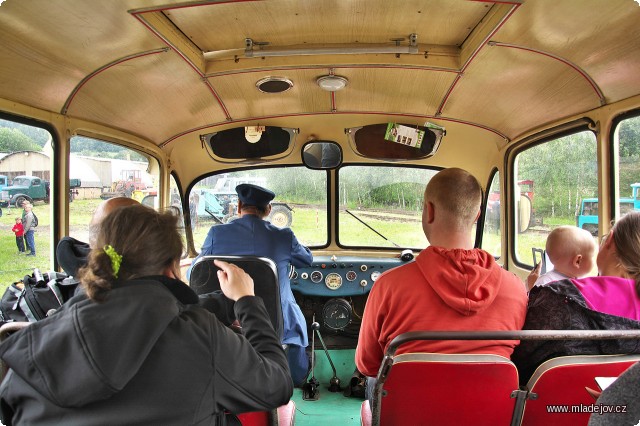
(332, 83)
(274, 84)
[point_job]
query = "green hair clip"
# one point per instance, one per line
(116, 259)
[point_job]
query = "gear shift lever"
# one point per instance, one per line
(334, 383)
(310, 391)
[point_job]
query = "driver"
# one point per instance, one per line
(251, 235)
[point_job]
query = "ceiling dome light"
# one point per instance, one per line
(274, 84)
(332, 83)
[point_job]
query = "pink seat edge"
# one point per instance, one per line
(287, 414)
(365, 414)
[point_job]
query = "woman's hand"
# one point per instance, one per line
(234, 282)
(533, 276)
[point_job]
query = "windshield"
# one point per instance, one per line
(382, 206)
(20, 182)
(300, 202)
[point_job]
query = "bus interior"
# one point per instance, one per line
(345, 109)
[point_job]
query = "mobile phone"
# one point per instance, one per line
(539, 256)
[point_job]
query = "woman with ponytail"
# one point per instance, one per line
(137, 348)
(610, 301)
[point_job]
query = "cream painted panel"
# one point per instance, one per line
(465, 146)
(513, 90)
(289, 22)
(155, 97)
(244, 100)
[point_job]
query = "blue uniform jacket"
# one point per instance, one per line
(252, 236)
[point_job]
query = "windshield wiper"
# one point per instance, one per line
(367, 225)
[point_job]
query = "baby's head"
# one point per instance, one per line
(571, 250)
(18, 220)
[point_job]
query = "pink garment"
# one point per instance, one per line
(610, 295)
(441, 290)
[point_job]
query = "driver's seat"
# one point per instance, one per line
(204, 281)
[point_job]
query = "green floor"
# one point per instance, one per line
(331, 408)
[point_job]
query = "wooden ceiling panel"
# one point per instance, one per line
(513, 90)
(156, 97)
(244, 100)
(225, 25)
(393, 90)
(590, 40)
(64, 59)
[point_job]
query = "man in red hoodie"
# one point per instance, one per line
(450, 286)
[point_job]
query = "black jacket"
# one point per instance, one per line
(561, 306)
(147, 355)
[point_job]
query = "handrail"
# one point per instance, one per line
(511, 335)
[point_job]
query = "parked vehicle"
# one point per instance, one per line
(130, 181)
(221, 202)
(30, 188)
(588, 217)
(24, 188)
(3, 184)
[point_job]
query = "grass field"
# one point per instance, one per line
(14, 266)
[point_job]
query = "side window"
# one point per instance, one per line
(628, 169)
(491, 238)
(556, 184)
(100, 170)
(25, 172)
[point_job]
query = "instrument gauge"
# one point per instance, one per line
(375, 275)
(316, 276)
(351, 275)
(333, 281)
(336, 314)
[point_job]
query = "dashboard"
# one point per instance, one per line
(332, 276)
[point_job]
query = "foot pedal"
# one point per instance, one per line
(310, 390)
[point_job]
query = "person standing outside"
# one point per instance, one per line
(450, 286)
(251, 235)
(18, 229)
(28, 222)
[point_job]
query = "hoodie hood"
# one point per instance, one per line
(473, 277)
(72, 255)
(88, 351)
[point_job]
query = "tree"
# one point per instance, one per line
(12, 140)
(37, 134)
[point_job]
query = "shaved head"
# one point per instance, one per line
(457, 194)
(103, 210)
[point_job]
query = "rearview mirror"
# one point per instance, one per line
(321, 155)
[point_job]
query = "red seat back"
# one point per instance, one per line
(449, 389)
(562, 382)
(283, 416)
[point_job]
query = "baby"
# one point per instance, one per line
(571, 250)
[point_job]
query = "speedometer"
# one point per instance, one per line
(333, 281)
